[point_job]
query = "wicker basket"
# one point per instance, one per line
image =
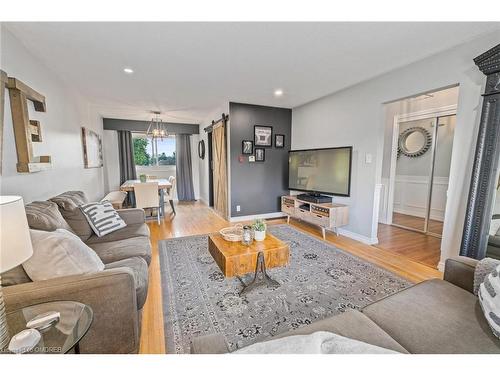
(233, 234)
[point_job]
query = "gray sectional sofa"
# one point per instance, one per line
(435, 316)
(116, 294)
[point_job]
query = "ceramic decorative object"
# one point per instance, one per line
(143, 178)
(259, 228)
(24, 341)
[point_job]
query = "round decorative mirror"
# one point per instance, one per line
(414, 142)
(201, 149)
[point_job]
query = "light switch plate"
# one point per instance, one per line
(368, 158)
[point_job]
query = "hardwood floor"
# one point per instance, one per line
(415, 222)
(196, 218)
(412, 245)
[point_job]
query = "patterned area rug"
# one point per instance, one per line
(320, 281)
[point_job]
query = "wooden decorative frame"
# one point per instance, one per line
(92, 149)
(3, 84)
(20, 94)
(486, 161)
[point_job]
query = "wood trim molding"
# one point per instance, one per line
(486, 160)
(3, 83)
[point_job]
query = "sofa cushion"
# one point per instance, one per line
(351, 324)
(122, 249)
(140, 270)
(435, 316)
(68, 204)
(59, 253)
(130, 231)
(45, 216)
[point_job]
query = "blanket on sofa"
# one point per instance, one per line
(316, 343)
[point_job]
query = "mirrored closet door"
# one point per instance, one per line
(422, 173)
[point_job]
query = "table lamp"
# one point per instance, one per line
(15, 248)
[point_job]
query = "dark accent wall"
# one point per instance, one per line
(142, 126)
(257, 187)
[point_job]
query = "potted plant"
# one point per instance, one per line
(259, 228)
(142, 178)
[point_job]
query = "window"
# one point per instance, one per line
(153, 152)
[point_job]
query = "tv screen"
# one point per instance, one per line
(326, 170)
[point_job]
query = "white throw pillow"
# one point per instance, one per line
(102, 217)
(60, 253)
(494, 227)
(489, 298)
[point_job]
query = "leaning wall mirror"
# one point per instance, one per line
(481, 235)
(414, 142)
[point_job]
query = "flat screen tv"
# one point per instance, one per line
(324, 170)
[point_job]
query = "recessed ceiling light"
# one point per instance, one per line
(278, 92)
(128, 70)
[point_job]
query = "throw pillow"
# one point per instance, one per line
(489, 298)
(60, 253)
(483, 269)
(494, 227)
(45, 216)
(69, 206)
(102, 217)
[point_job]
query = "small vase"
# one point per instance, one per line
(142, 178)
(259, 235)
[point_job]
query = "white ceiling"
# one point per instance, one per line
(187, 70)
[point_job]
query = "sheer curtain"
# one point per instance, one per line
(183, 164)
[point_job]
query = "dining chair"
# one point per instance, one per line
(146, 196)
(170, 193)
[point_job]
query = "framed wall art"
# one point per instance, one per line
(92, 149)
(260, 154)
(279, 141)
(263, 136)
(247, 147)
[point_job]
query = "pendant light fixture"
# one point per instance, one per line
(157, 128)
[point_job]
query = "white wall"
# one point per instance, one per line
(61, 126)
(355, 116)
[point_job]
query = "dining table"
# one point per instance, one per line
(163, 184)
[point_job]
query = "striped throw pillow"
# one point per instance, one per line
(489, 298)
(102, 217)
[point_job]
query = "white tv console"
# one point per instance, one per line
(325, 215)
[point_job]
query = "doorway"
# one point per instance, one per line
(417, 169)
(421, 178)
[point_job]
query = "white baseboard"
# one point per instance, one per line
(272, 215)
(441, 266)
(358, 237)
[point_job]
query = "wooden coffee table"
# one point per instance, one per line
(235, 259)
